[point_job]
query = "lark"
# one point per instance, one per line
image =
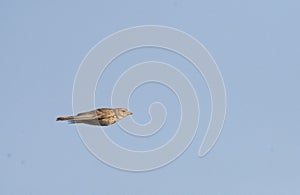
(99, 117)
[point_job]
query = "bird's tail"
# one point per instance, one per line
(65, 118)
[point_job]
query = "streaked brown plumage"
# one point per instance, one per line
(100, 117)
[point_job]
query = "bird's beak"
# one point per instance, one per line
(130, 113)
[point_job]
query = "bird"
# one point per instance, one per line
(98, 117)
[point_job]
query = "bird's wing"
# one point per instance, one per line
(95, 114)
(105, 113)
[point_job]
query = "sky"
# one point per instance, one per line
(255, 45)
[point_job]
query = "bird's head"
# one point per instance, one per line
(122, 112)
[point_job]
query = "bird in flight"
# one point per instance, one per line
(99, 117)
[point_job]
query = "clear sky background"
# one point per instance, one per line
(255, 44)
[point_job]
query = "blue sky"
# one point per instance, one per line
(255, 44)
